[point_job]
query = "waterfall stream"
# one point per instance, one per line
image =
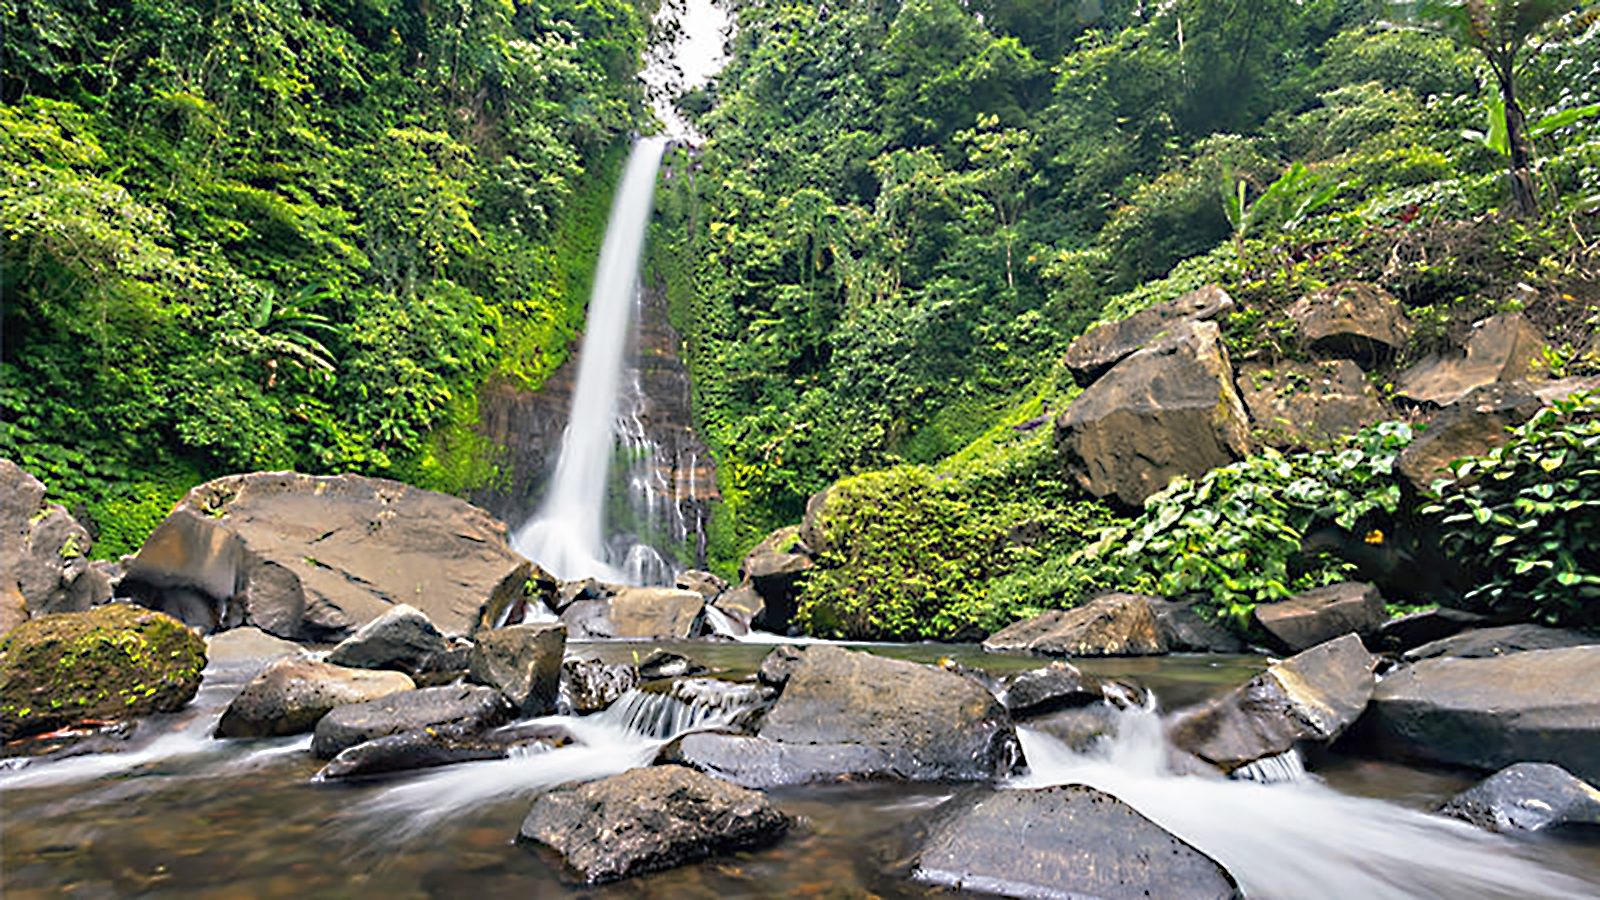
(567, 536)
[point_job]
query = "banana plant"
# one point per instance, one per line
(1291, 199)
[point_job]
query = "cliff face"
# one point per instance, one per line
(664, 478)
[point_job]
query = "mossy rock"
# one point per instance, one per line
(112, 662)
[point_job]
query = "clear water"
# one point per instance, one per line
(187, 816)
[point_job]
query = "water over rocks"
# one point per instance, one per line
(291, 695)
(1067, 841)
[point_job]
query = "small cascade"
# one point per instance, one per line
(1287, 767)
(1295, 838)
(664, 715)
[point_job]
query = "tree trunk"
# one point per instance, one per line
(1521, 162)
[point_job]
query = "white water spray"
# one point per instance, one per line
(1300, 840)
(567, 537)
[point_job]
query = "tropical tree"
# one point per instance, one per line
(1500, 30)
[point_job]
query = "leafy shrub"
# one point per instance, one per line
(1237, 534)
(1528, 516)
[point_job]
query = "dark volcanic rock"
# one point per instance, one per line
(472, 707)
(308, 557)
(1103, 346)
(1502, 348)
(666, 664)
(1292, 404)
(638, 613)
(1501, 641)
(401, 639)
(1170, 409)
(1413, 630)
(646, 820)
(1056, 686)
(1313, 696)
(1539, 705)
(589, 685)
(111, 662)
(850, 714)
(773, 570)
(1108, 625)
(44, 553)
(1527, 797)
(292, 694)
(523, 662)
(1353, 320)
(420, 749)
(1308, 619)
(1184, 630)
(1069, 842)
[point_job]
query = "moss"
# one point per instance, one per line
(110, 662)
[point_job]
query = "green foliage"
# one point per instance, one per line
(292, 234)
(1237, 534)
(1527, 517)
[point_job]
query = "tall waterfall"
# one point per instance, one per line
(567, 536)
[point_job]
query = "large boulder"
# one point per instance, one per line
(1353, 321)
(1169, 409)
(1312, 696)
(773, 570)
(1056, 686)
(650, 819)
(641, 613)
(1184, 630)
(44, 553)
(1108, 625)
(1502, 348)
(422, 748)
(1310, 618)
(1292, 404)
(523, 662)
(111, 662)
(1537, 706)
(1478, 422)
(1103, 346)
(1501, 640)
(851, 714)
(1068, 841)
(469, 706)
(292, 694)
(1527, 797)
(401, 639)
(308, 557)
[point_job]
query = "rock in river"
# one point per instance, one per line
(1069, 842)
(465, 705)
(292, 694)
(1527, 797)
(650, 819)
(1108, 625)
(111, 662)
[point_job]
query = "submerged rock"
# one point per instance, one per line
(401, 639)
(1071, 842)
(473, 708)
(112, 662)
(848, 714)
(1108, 625)
(646, 820)
(1313, 696)
(1491, 712)
(1310, 618)
(1527, 797)
(523, 662)
(292, 694)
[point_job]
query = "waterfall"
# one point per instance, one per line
(567, 536)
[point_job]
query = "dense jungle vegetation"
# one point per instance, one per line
(292, 233)
(905, 210)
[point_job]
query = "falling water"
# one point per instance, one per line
(1296, 840)
(567, 537)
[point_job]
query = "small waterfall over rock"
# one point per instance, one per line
(567, 537)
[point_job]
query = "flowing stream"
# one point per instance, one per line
(180, 814)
